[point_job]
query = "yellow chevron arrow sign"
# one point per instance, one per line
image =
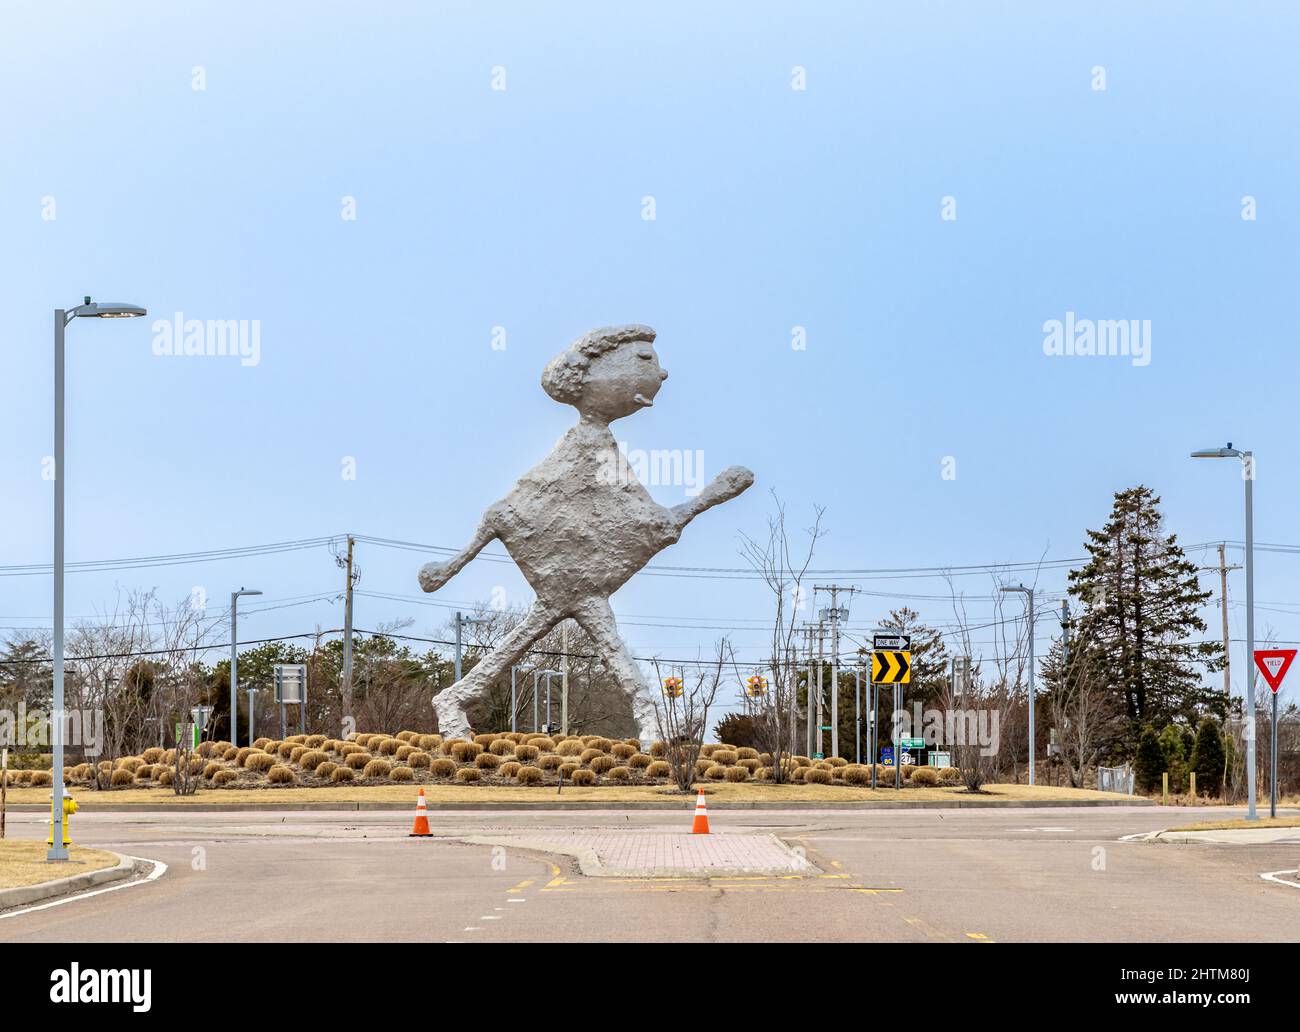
(889, 666)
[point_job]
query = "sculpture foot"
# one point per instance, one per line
(452, 719)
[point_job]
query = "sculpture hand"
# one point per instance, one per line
(435, 575)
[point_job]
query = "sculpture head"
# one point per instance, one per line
(608, 373)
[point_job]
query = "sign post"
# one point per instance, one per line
(891, 663)
(1273, 664)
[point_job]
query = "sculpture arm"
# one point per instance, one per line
(435, 575)
(725, 486)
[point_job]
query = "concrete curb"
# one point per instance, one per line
(21, 895)
(589, 863)
(594, 804)
(1224, 837)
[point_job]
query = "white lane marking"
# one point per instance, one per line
(516, 901)
(490, 917)
(159, 869)
(471, 928)
(1273, 877)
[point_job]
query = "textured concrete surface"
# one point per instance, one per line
(21, 895)
(579, 524)
(973, 876)
(630, 854)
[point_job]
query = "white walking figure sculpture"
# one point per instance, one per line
(580, 524)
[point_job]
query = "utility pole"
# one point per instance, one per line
(806, 630)
(564, 677)
(347, 635)
(821, 699)
(1223, 606)
(835, 614)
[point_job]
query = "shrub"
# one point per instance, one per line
(583, 777)
(765, 759)
(296, 739)
(403, 752)
(639, 761)
(907, 769)
(401, 773)
(224, 776)
(357, 760)
(596, 742)
(364, 740)
(817, 775)
(261, 743)
(716, 772)
(569, 747)
(342, 774)
(1208, 758)
(702, 766)
(286, 748)
(239, 756)
(487, 761)
(315, 741)
(528, 775)
(657, 749)
(155, 754)
(550, 761)
(131, 763)
(326, 768)
(24, 777)
(750, 763)
(737, 773)
(144, 772)
(230, 753)
(566, 769)
(377, 768)
(122, 776)
(856, 774)
(196, 765)
(418, 759)
(509, 769)
(622, 751)
(312, 758)
(925, 776)
(824, 765)
(446, 746)
(430, 742)
(348, 748)
(659, 769)
(465, 752)
(205, 748)
(299, 751)
(389, 746)
(619, 774)
(468, 774)
(602, 763)
(442, 767)
(542, 743)
(837, 761)
(949, 774)
(587, 755)
(802, 761)
(279, 774)
(260, 761)
(763, 774)
(406, 736)
(526, 753)
(745, 752)
(502, 747)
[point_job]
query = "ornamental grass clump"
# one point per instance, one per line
(280, 775)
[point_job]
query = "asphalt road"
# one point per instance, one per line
(1044, 874)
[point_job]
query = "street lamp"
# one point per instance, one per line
(1248, 475)
(465, 621)
(88, 310)
(1029, 597)
(548, 674)
(234, 671)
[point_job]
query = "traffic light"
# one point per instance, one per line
(673, 687)
(757, 685)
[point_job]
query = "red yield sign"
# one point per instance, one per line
(1273, 664)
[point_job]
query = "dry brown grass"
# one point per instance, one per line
(259, 761)
(152, 756)
(401, 773)
(622, 751)
(357, 760)
(487, 761)
(442, 767)
(528, 775)
(340, 775)
(550, 761)
(619, 774)
(582, 777)
(122, 776)
(509, 769)
(468, 774)
(570, 747)
(222, 777)
(659, 769)
(716, 771)
(419, 759)
(280, 775)
(817, 776)
(324, 769)
(23, 862)
(312, 758)
(566, 770)
(926, 776)
(737, 773)
(601, 763)
(377, 768)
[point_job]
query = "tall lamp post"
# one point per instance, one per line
(234, 670)
(1247, 475)
(548, 674)
(1029, 602)
(464, 621)
(62, 316)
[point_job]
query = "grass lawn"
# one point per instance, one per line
(1263, 822)
(23, 863)
(613, 794)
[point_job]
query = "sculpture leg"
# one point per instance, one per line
(597, 619)
(450, 703)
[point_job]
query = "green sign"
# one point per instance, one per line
(912, 743)
(192, 729)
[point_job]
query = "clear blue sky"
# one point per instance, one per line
(522, 208)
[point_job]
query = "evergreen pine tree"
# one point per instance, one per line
(1149, 765)
(1140, 601)
(1208, 757)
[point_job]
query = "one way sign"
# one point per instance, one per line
(891, 667)
(1273, 664)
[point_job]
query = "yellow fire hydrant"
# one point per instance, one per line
(69, 808)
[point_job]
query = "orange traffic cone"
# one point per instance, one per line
(700, 826)
(421, 827)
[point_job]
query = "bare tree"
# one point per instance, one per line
(775, 715)
(683, 718)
